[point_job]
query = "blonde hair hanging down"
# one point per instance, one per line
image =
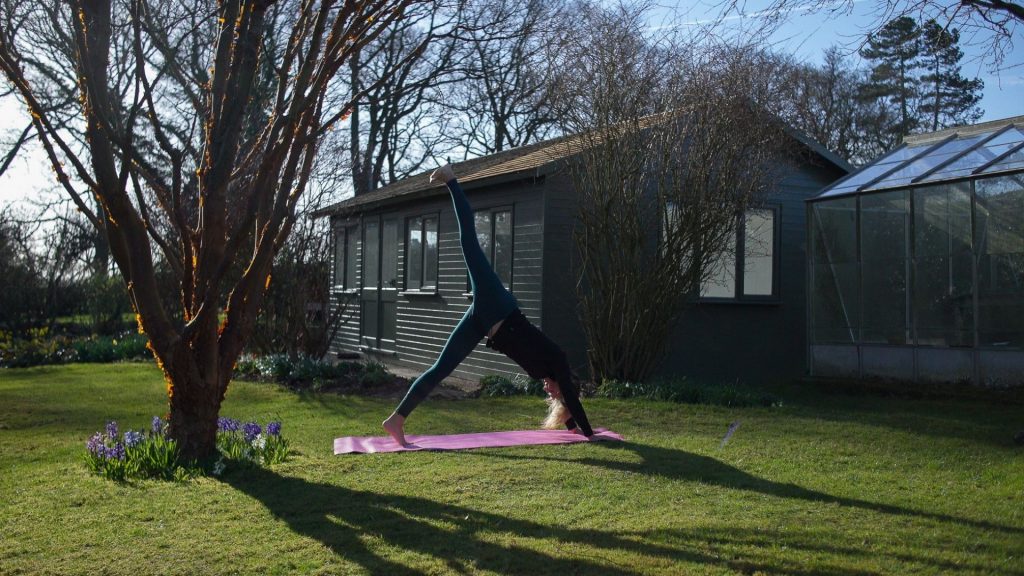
(558, 414)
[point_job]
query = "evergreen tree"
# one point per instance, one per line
(895, 56)
(947, 97)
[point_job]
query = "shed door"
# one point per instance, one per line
(380, 283)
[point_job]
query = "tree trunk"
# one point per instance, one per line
(195, 401)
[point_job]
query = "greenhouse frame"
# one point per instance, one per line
(916, 262)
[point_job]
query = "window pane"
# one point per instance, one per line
(503, 247)
(942, 220)
(943, 299)
(483, 232)
(339, 258)
(430, 252)
(1001, 300)
(351, 260)
(884, 289)
(884, 226)
(721, 280)
(884, 245)
(1000, 234)
(943, 302)
(835, 224)
(389, 256)
(371, 255)
(759, 249)
(414, 255)
(835, 299)
(835, 289)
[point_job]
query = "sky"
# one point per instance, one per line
(804, 35)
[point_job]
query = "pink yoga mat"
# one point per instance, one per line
(372, 444)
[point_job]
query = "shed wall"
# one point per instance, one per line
(756, 342)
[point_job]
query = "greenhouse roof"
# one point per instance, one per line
(953, 154)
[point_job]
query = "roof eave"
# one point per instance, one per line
(341, 209)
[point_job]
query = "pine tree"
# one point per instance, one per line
(895, 53)
(948, 98)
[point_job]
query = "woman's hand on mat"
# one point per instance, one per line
(442, 175)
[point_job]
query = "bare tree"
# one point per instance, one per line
(823, 101)
(397, 124)
(675, 149)
(504, 98)
(183, 159)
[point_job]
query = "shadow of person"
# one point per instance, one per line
(461, 538)
(687, 466)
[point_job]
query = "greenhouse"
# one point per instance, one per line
(916, 262)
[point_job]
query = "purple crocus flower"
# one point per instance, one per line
(95, 445)
(157, 427)
(274, 429)
(228, 424)
(133, 438)
(251, 430)
(112, 430)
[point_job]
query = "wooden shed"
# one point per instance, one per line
(399, 272)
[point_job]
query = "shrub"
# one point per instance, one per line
(100, 349)
(39, 346)
(685, 391)
(307, 372)
(374, 374)
(519, 385)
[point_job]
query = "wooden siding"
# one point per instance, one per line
(561, 316)
(424, 321)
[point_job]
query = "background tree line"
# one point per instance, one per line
(493, 75)
(197, 137)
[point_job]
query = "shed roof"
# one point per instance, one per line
(522, 162)
(951, 154)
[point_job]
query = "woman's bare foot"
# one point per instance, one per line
(395, 427)
(442, 175)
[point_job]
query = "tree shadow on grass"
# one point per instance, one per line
(344, 519)
(686, 466)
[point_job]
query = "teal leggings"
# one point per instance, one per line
(491, 303)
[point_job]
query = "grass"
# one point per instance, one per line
(826, 484)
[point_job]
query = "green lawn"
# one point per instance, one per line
(826, 484)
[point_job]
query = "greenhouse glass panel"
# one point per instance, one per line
(835, 291)
(970, 161)
(884, 221)
(943, 296)
(835, 223)
(835, 303)
(1014, 161)
(999, 234)
(872, 171)
(944, 153)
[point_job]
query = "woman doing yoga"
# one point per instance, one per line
(495, 314)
